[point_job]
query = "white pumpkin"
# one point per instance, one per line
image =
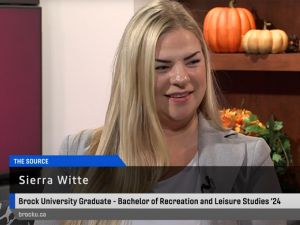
(265, 41)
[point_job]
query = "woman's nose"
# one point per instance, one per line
(179, 75)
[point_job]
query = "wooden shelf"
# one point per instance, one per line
(270, 62)
(264, 84)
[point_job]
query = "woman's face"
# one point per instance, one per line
(180, 76)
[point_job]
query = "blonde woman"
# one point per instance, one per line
(163, 109)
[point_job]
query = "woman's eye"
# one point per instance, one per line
(161, 68)
(193, 62)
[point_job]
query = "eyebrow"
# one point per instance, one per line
(186, 58)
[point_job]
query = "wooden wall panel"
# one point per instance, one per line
(266, 93)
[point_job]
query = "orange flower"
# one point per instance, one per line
(239, 120)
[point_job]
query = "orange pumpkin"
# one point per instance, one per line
(224, 27)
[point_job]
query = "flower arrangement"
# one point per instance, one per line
(245, 122)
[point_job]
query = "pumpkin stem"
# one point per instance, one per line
(266, 24)
(231, 3)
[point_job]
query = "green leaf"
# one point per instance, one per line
(278, 125)
(276, 157)
(247, 120)
(253, 117)
(287, 145)
(255, 129)
(278, 148)
(252, 128)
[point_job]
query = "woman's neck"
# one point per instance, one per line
(182, 143)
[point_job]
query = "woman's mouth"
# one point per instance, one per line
(179, 97)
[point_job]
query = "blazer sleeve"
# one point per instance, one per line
(264, 178)
(72, 145)
(77, 144)
(261, 154)
(263, 175)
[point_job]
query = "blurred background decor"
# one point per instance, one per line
(245, 122)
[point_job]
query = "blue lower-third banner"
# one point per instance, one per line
(65, 161)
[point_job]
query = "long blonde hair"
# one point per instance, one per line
(132, 128)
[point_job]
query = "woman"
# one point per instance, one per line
(163, 109)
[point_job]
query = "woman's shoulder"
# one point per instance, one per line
(236, 137)
(77, 144)
(230, 145)
(223, 135)
(256, 149)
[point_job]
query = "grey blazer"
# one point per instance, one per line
(216, 148)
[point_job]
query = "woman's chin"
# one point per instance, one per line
(181, 117)
(177, 118)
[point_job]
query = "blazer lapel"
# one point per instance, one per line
(220, 158)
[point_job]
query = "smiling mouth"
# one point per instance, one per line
(179, 95)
